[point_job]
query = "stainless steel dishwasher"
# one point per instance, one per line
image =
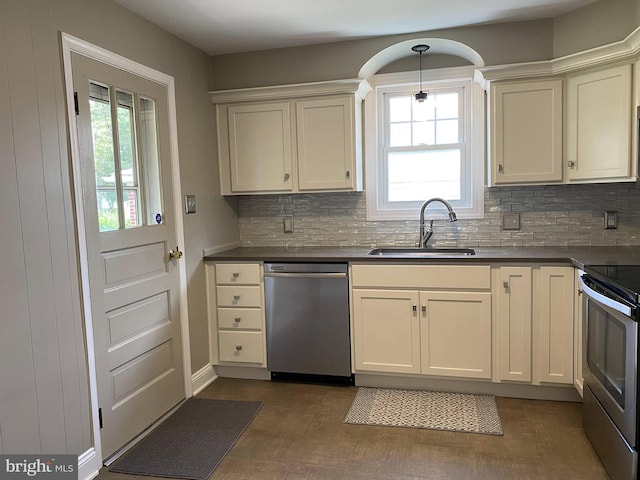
(307, 314)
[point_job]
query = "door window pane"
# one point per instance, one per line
(128, 163)
(104, 157)
(150, 160)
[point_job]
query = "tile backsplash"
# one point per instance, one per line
(559, 215)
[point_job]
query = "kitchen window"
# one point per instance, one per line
(420, 150)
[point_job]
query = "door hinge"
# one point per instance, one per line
(100, 417)
(75, 103)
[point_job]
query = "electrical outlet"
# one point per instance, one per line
(511, 221)
(288, 224)
(610, 220)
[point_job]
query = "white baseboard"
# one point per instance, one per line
(89, 465)
(202, 378)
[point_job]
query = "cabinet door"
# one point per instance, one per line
(455, 334)
(578, 377)
(260, 147)
(555, 324)
(599, 125)
(514, 323)
(326, 146)
(526, 132)
(386, 331)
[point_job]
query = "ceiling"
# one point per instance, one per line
(232, 26)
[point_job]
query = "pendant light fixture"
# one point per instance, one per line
(421, 96)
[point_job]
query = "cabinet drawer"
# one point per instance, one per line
(475, 277)
(238, 274)
(240, 346)
(240, 318)
(238, 296)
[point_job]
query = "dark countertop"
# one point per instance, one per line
(577, 256)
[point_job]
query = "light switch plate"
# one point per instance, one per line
(511, 221)
(288, 224)
(189, 204)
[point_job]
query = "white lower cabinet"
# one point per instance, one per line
(455, 334)
(236, 314)
(419, 330)
(534, 319)
(386, 330)
(555, 325)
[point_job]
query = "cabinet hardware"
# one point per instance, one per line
(236, 274)
(505, 285)
(286, 176)
(414, 308)
(236, 297)
(424, 309)
(571, 164)
(237, 319)
(500, 168)
(348, 174)
(579, 292)
(238, 347)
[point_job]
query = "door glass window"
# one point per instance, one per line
(123, 156)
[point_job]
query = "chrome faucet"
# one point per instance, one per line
(425, 234)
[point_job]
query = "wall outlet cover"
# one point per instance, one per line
(511, 221)
(288, 224)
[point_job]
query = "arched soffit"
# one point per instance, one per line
(403, 49)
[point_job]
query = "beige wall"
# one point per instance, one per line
(599, 23)
(43, 374)
(497, 44)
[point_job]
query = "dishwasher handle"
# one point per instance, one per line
(305, 275)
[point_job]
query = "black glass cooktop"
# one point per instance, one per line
(623, 279)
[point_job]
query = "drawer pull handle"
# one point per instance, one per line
(238, 347)
(414, 308)
(237, 319)
(424, 309)
(505, 285)
(236, 274)
(236, 297)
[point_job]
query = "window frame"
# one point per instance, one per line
(471, 205)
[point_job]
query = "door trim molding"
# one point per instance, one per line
(71, 44)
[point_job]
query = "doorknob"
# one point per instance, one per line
(175, 254)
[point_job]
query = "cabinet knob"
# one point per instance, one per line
(236, 274)
(236, 297)
(571, 164)
(238, 347)
(579, 291)
(348, 174)
(500, 168)
(237, 319)
(286, 176)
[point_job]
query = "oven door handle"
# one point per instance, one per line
(609, 302)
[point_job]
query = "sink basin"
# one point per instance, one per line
(421, 252)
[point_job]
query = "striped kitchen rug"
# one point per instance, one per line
(457, 412)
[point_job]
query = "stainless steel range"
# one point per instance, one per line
(611, 299)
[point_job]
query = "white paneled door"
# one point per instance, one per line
(129, 222)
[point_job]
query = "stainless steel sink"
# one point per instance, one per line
(421, 252)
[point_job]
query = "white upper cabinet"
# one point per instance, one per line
(260, 147)
(328, 143)
(290, 139)
(526, 132)
(599, 125)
